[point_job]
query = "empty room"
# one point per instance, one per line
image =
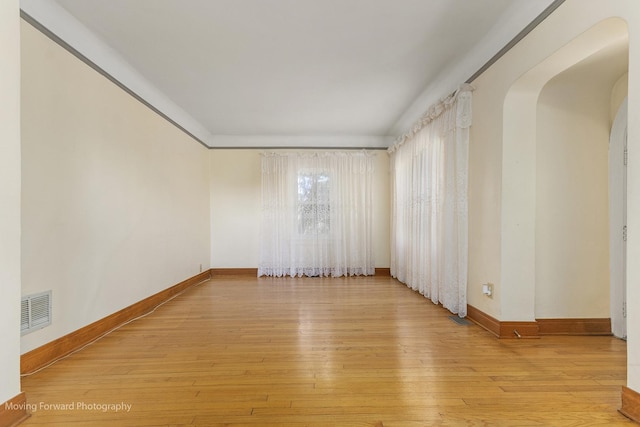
(319, 213)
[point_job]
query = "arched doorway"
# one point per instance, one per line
(523, 243)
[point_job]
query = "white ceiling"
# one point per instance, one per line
(322, 73)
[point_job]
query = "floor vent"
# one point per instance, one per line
(35, 312)
(460, 321)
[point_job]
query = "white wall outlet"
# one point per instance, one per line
(487, 289)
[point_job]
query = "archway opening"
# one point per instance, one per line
(550, 233)
(575, 112)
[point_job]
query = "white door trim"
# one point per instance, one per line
(618, 221)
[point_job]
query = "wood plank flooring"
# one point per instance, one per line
(365, 351)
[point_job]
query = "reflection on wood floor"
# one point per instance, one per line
(362, 351)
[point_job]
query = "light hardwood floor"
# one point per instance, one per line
(331, 352)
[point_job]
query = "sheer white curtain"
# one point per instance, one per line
(429, 203)
(316, 214)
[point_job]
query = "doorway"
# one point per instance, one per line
(618, 222)
(557, 124)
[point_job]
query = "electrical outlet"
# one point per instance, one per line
(487, 289)
(200, 268)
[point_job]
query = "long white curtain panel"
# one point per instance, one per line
(429, 203)
(316, 214)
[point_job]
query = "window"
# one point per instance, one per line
(316, 214)
(314, 206)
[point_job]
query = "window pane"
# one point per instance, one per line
(313, 203)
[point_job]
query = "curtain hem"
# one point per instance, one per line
(315, 272)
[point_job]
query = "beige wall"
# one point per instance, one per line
(144, 216)
(572, 203)
(10, 199)
(503, 170)
(618, 94)
(236, 208)
(503, 175)
(115, 200)
(235, 182)
(485, 191)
